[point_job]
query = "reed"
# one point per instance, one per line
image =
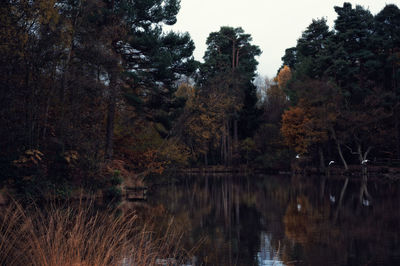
(81, 235)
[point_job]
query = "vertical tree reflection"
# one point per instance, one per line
(281, 220)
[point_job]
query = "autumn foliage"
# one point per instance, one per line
(284, 76)
(296, 129)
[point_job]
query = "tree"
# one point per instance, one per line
(388, 39)
(357, 68)
(284, 76)
(351, 50)
(71, 69)
(307, 58)
(141, 19)
(204, 123)
(312, 41)
(290, 58)
(276, 102)
(343, 84)
(296, 129)
(230, 66)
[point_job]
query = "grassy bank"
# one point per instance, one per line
(81, 235)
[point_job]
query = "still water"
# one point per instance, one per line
(283, 220)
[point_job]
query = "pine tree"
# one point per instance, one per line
(229, 67)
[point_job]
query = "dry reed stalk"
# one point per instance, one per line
(80, 235)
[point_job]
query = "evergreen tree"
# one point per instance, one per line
(229, 65)
(352, 56)
(70, 70)
(358, 61)
(387, 35)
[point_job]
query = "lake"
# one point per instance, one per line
(282, 220)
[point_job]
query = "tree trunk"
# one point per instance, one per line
(364, 188)
(233, 55)
(341, 198)
(360, 153)
(224, 147)
(339, 148)
(396, 126)
(396, 112)
(235, 140)
(341, 155)
(69, 55)
(230, 145)
(235, 134)
(46, 115)
(64, 78)
(221, 153)
(237, 58)
(110, 118)
(321, 160)
(322, 187)
(364, 171)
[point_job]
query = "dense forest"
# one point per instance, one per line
(96, 92)
(344, 88)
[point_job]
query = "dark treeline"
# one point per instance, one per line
(92, 91)
(87, 87)
(344, 88)
(336, 96)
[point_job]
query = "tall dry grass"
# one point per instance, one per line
(80, 235)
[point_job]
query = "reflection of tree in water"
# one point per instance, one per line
(361, 236)
(225, 213)
(310, 227)
(233, 217)
(303, 222)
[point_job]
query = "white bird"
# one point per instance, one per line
(298, 207)
(331, 162)
(297, 156)
(365, 202)
(364, 161)
(332, 198)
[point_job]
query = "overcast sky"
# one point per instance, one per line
(274, 24)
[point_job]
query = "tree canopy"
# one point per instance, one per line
(353, 61)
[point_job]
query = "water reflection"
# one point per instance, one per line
(266, 255)
(277, 220)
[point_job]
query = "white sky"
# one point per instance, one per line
(274, 24)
